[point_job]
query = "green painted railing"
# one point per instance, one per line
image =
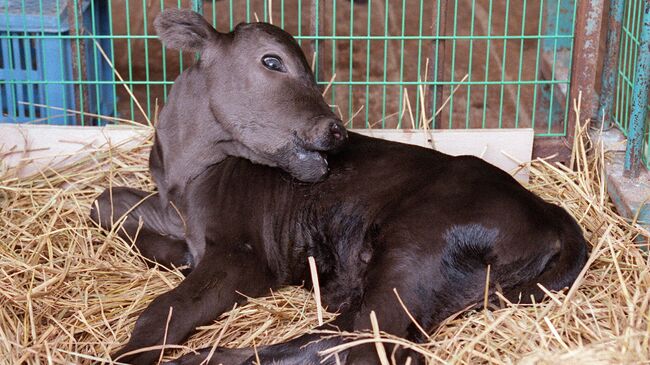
(628, 76)
(384, 63)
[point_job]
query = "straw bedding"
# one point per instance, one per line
(70, 292)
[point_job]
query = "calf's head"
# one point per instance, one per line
(261, 90)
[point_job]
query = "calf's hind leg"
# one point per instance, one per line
(145, 222)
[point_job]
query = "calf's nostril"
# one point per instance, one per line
(337, 130)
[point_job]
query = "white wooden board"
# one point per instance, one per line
(26, 149)
(504, 148)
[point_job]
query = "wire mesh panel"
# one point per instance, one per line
(381, 63)
(473, 63)
(627, 66)
(50, 61)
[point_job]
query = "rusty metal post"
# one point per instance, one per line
(584, 67)
(610, 65)
(635, 134)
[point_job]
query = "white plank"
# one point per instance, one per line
(26, 149)
(504, 148)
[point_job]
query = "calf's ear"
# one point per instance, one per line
(184, 29)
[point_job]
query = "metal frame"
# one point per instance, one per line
(625, 84)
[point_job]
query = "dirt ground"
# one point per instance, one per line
(373, 60)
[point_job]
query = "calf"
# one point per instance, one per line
(388, 216)
(251, 95)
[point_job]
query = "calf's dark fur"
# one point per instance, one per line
(388, 216)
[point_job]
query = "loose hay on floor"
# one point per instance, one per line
(70, 292)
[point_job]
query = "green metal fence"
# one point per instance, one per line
(629, 51)
(402, 63)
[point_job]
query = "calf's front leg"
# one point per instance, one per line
(207, 292)
(146, 222)
(378, 297)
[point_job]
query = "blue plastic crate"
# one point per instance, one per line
(36, 62)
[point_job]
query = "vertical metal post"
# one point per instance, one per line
(584, 66)
(639, 99)
(82, 55)
(559, 20)
(438, 55)
(316, 9)
(555, 59)
(197, 5)
(74, 49)
(610, 66)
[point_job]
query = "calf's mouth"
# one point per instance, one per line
(313, 155)
(305, 164)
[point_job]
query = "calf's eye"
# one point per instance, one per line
(273, 63)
